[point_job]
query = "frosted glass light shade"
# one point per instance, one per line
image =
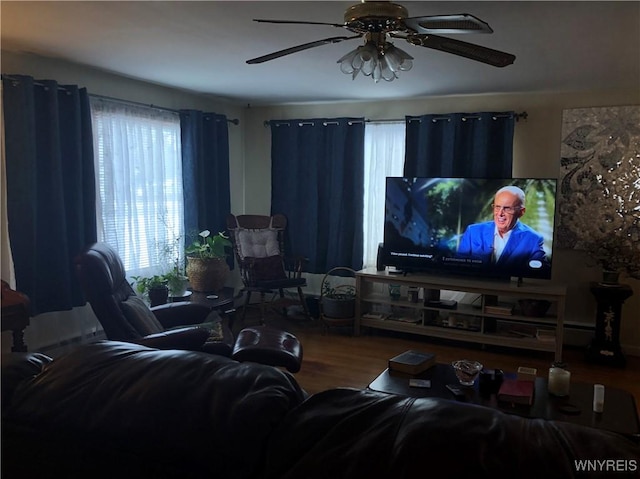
(378, 61)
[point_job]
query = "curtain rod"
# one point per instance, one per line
(14, 78)
(235, 121)
(524, 115)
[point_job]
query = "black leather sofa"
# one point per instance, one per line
(121, 410)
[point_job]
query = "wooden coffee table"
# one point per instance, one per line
(620, 414)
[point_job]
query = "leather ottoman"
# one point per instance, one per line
(265, 345)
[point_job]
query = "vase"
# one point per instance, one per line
(610, 277)
(207, 274)
(178, 286)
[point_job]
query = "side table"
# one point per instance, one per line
(224, 303)
(605, 347)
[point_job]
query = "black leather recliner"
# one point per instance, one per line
(125, 317)
(181, 325)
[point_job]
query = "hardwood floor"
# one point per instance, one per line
(339, 359)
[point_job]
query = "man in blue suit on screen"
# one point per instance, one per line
(506, 243)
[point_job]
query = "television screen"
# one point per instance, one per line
(498, 228)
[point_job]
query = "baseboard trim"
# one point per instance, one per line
(631, 350)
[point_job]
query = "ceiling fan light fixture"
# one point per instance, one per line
(379, 61)
(379, 20)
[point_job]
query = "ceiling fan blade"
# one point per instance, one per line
(299, 48)
(463, 49)
(460, 23)
(296, 22)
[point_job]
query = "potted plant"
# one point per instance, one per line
(207, 267)
(177, 282)
(615, 254)
(172, 261)
(154, 287)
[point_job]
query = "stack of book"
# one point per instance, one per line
(548, 335)
(500, 308)
(412, 362)
(403, 319)
(516, 391)
(374, 316)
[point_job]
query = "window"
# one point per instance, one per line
(139, 183)
(384, 145)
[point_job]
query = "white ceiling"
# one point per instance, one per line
(203, 47)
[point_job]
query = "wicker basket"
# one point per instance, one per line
(207, 274)
(338, 308)
(343, 305)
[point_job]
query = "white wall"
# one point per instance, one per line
(536, 151)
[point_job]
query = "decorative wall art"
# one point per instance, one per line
(599, 192)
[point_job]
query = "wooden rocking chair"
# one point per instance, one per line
(258, 244)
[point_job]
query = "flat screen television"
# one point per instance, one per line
(470, 226)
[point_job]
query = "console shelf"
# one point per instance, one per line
(492, 318)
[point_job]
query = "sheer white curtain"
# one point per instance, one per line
(6, 262)
(139, 184)
(384, 145)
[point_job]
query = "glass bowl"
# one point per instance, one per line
(466, 371)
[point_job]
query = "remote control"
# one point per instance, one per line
(419, 383)
(456, 391)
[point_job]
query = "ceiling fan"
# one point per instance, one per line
(378, 21)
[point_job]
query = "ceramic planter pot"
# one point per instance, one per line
(178, 286)
(207, 274)
(610, 277)
(158, 295)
